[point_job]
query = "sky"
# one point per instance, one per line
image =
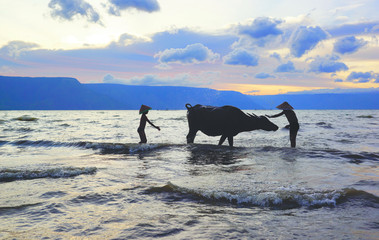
(254, 47)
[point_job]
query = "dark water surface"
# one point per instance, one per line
(81, 175)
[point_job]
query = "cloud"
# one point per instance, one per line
(276, 56)
(363, 77)
(241, 57)
(354, 29)
(259, 32)
(328, 64)
(348, 45)
(127, 39)
(184, 79)
(194, 53)
(305, 39)
(338, 80)
(68, 9)
(252, 92)
(286, 67)
(263, 75)
(15, 48)
(336, 90)
(260, 28)
(141, 5)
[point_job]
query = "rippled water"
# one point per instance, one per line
(81, 174)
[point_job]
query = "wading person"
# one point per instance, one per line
(142, 124)
(292, 119)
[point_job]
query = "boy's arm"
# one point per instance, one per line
(152, 124)
(276, 115)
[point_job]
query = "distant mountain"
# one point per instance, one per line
(25, 93)
(359, 100)
(170, 97)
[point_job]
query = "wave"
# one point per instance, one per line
(104, 148)
(202, 153)
(324, 125)
(365, 116)
(8, 175)
(26, 118)
(283, 198)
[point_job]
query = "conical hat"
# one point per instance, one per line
(144, 109)
(285, 106)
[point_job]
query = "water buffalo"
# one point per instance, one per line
(226, 121)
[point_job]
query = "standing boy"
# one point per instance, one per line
(292, 119)
(141, 129)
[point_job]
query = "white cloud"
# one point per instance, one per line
(327, 64)
(241, 57)
(183, 79)
(194, 53)
(261, 27)
(305, 39)
(348, 44)
(286, 67)
(15, 48)
(263, 75)
(363, 77)
(68, 9)
(141, 5)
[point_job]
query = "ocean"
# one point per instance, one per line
(83, 175)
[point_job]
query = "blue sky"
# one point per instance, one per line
(255, 47)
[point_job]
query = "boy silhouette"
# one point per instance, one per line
(142, 124)
(292, 119)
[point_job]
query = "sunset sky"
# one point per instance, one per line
(255, 47)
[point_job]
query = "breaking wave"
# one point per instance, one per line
(282, 198)
(8, 175)
(104, 148)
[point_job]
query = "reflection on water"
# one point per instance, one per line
(210, 154)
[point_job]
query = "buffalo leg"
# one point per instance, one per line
(191, 136)
(230, 140)
(222, 139)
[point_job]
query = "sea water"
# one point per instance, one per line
(83, 175)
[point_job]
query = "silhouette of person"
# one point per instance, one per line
(292, 119)
(142, 124)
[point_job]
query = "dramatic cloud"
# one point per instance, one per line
(194, 53)
(241, 57)
(15, 48)
(263, 75)
(305, 39)
(68, 9)
(348, 45)
(328, 64)
(261, 27)
(141, 5)
(286, 67)
(185, 80)
(363, 77)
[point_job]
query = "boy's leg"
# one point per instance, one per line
(142, 136)
(293, 134)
